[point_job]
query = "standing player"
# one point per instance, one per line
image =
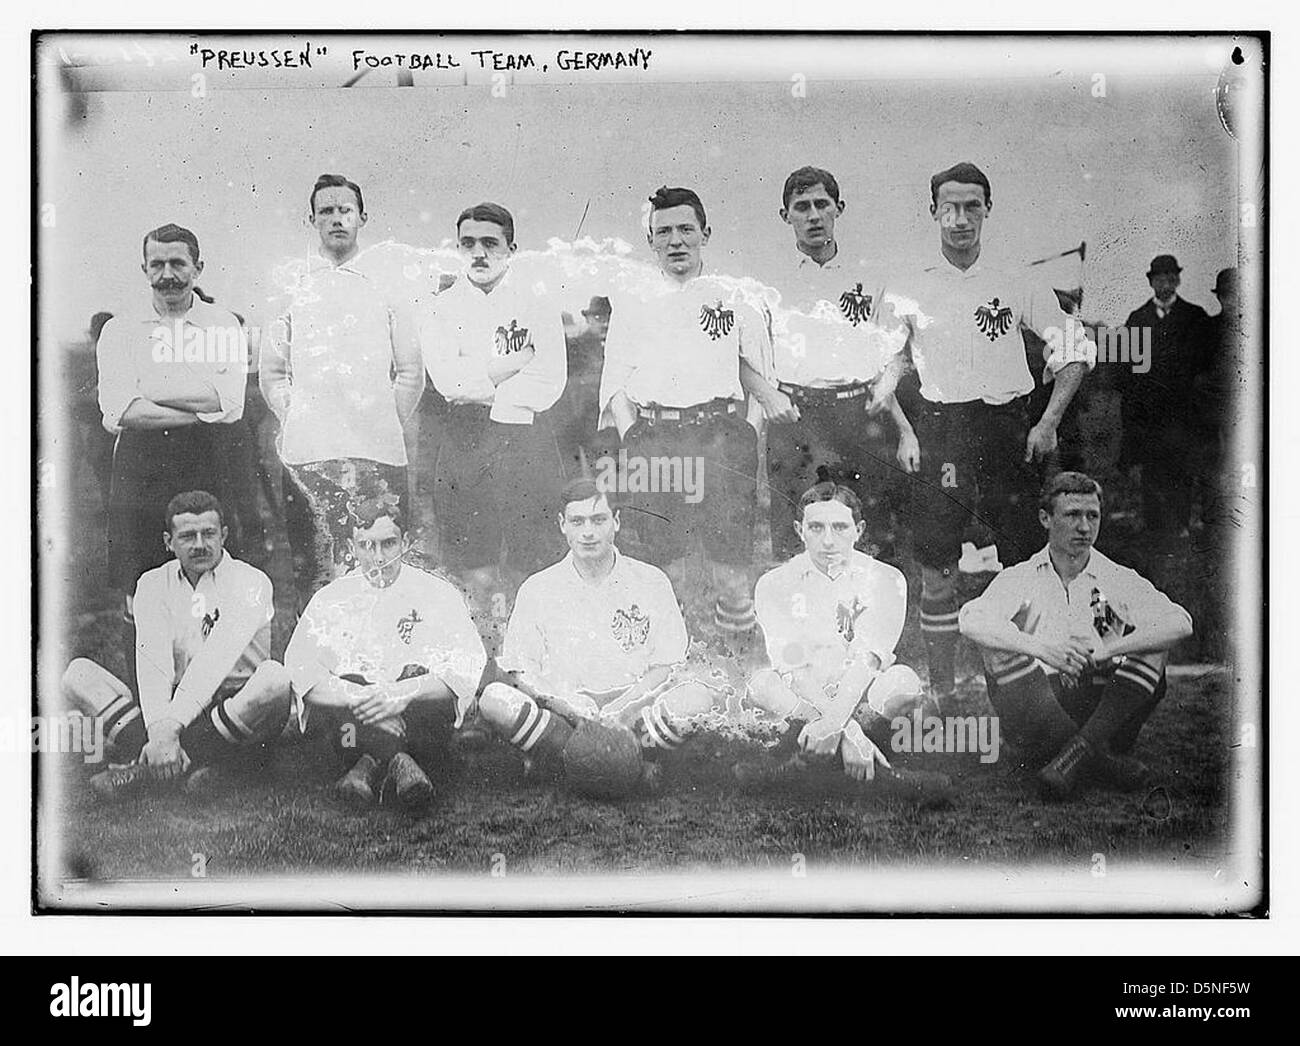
(593, 638)
(163, 404)
(389, 658)
(678, 362)
(208, 688)
(837, 365)
(981, 458)
(495, 349)
(343, 375)
(831, 617)
(1074, 647)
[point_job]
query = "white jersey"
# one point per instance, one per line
(964, 329)
(352, 627)
(575, 635)
(465, 329)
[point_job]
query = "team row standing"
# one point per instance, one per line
(345, 371)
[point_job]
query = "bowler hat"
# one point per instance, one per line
(1163, 263)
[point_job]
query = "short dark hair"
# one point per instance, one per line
(664, 198)
(368, 511)
(966, 174)
(806, 178)
(489, 212)
(336, 181)
(828, 490)
(584, 488)
(1067, 483)
(192, 503)
(171, 233)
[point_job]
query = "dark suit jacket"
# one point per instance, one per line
(1160, 404)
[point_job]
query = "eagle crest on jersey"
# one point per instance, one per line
(855, 305)
(846, 618)
(209, 620)
(406, 626)
(716, 321)
(511, 339)
(993, 319)
(630, 627)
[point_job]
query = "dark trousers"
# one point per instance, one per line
(719, 511)
(974, 477)
(832, 440)
(496, 483)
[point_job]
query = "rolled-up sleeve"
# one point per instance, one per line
(118, 387)
(1065, 338)
(229, 377)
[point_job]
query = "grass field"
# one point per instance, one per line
(284, 821)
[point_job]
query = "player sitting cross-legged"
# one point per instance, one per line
(389, 657)
(1074, 648)
(831, 617)
(590, 651)
(209, 690)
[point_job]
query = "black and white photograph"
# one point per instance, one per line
(663, 473)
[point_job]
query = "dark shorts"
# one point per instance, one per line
(495, 483)
(974, 482)
(150, 467)
(850, 448)
(719, 507)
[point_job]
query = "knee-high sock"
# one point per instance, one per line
(940, 631)
(1130, 692)
(734, 615)
(539, 732)
(1023, 698)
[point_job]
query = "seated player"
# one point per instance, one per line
(1074, 647)
(594, 639)
(831, 617)
(208, 686)
(387, 655)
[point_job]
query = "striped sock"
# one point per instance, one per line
(1130, 691)
(656, 729)
(1030, 712)
(734, 616)
(539, 732)
(124, 732)
(939, 629)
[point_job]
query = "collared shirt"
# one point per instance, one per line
(579, 635)
(193, 640)
(680, 345)
(338, 336)
(808, 619)
(827, 330)
(1034, 596)
(964, 329)
(353, 627)
(466, 328)
(144, 355)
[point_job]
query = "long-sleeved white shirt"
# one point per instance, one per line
(808, 619)
(681, 345)
(1033, 595)
(964, 329)
(464, 329)
(353, 627)
(193, 640)
(567, 632)
(144, 355)
(827, 329)
(338, 336)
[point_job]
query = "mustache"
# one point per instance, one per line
(170, 284)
